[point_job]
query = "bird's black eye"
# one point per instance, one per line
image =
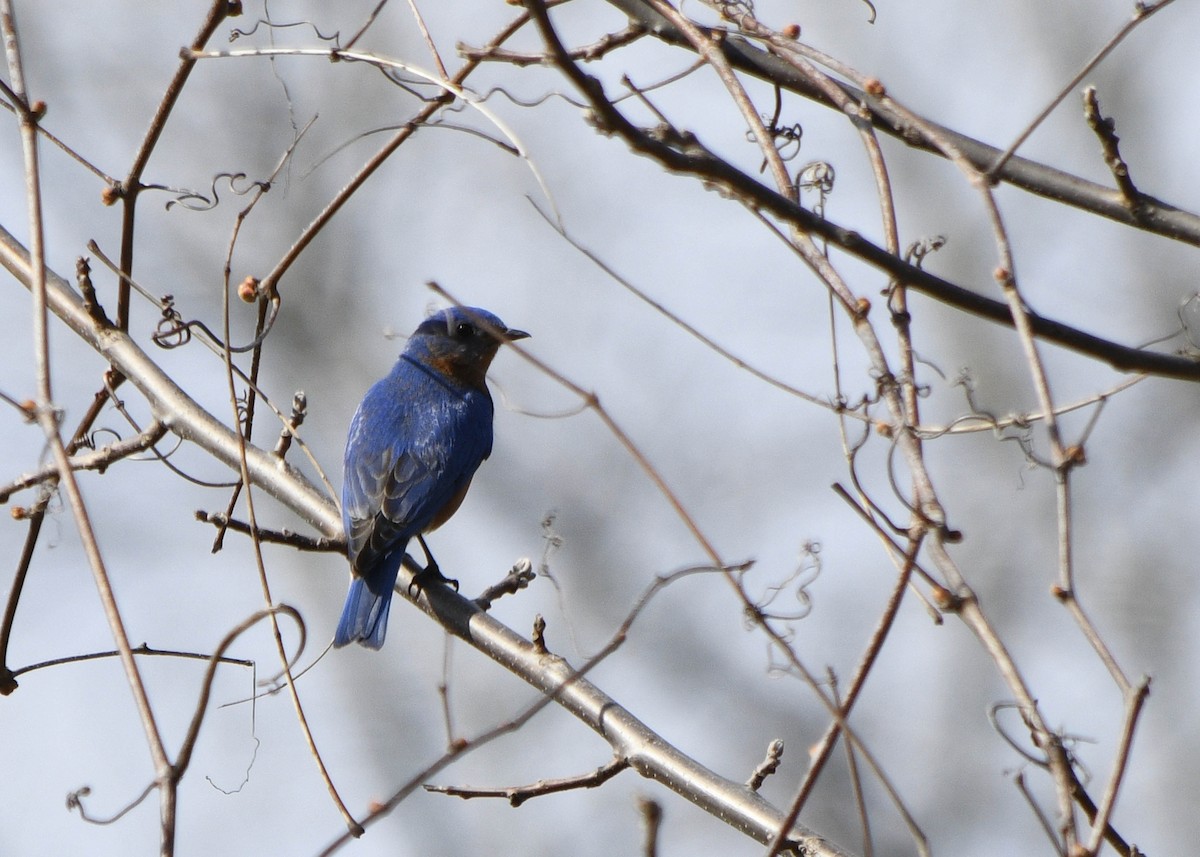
(464, 330)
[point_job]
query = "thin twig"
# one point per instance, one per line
(679, 322)
(320, 544)
(856, 789)
(131, 186)
(1141, 12)
(8, 677)
(820, 754)
(1105, 130)
(433, 51)
(652, 814)
(768, 766)
(517, 795)
(1159, 217)
(268, 601)
(140, 651)
(1108, 801)
(97, 459)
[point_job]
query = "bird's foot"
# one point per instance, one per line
(431, 574)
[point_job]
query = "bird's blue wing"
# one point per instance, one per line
(414, 445)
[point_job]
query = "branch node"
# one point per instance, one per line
(83, 277)
(946, 600)
(295, 420)
(768, 766)
(518, 577)
(539, 634)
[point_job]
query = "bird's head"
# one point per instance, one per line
(460, 342)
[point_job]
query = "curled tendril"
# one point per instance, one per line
(91, 440)
(335, 39)
(1065, 741)
(795, 586)
(172, 331)
(1015, 429)
(409, 84)
(818, 177)
(785, 137)
(1189, 320)
(537, 101)
(918, 250)
(196, 201)
(243, 407)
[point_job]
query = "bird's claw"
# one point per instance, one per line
(431, 574)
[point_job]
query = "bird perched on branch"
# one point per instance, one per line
(415, 441)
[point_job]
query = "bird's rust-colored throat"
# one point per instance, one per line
(470, 373)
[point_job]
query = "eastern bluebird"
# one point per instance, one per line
(415, 442)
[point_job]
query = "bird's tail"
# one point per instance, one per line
(364, 618)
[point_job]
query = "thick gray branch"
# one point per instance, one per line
(171, 405)
(646, 751)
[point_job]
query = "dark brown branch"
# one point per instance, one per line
(142, 650)
(682, 153)
(1159, 217)
(130, 187)
(277, 537)
(8, 677)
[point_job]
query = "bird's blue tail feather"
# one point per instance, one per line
(364, 618)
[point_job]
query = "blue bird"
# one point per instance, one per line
(415, 441)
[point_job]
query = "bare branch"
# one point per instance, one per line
(1160, 217)
(518, 577)
(768, 766)
(1141, 12)
(1105, 130)
(517, 795)
(98, 459)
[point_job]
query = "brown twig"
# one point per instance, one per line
(586, 53)
(1108, 801)
(131, 186)
(320, 544)
(97, 459)
(517, 795)
(1105, 130)
(856, 789)
(8, 677)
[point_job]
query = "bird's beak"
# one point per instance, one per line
(513, 335)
